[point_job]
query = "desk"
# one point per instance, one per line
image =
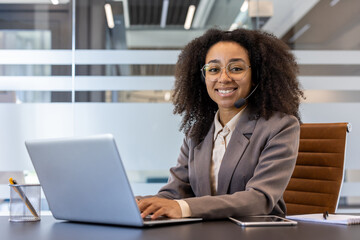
(50, 229)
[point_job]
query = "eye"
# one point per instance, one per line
(212, 69)
(236, 68)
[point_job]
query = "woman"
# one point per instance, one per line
(239, 97)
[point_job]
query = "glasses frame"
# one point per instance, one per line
(226, 72)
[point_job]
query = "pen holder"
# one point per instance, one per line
(25, 200)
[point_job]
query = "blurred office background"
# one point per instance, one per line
(81, 67)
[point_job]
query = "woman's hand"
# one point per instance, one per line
(159, 207)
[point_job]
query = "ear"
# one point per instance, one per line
(202, 79)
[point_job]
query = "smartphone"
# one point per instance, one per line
(266, 220)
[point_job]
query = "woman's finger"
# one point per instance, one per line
(150, 209)
(143, 204)
(158, 213)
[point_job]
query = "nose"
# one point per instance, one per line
(224, 77)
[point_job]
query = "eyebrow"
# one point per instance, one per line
(231, 60)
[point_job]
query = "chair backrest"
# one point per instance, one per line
(315, 184)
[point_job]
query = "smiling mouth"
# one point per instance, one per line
(223, 91)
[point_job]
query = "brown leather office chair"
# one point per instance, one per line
(315, 184)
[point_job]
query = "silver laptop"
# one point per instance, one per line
(84, 180)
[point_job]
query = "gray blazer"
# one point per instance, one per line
(253, 175)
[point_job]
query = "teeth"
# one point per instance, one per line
(225, 91)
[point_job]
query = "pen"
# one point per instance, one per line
(325, 215)
(23, 197)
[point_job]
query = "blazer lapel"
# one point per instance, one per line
(202, 159)
(237, 146)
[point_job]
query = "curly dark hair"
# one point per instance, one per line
(273, 67)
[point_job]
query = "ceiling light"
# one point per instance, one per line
(167, 96)
(55, 2)
(244, 6)
(299, 33)
(233, 26)
(109, 16)
(189, 17)
(164, 13)
(334, 2)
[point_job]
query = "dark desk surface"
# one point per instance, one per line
(50, 229)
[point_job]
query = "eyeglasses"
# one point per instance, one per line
(235, 70)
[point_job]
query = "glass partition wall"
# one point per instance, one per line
(82, 67)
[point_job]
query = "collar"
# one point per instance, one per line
(230, 125)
